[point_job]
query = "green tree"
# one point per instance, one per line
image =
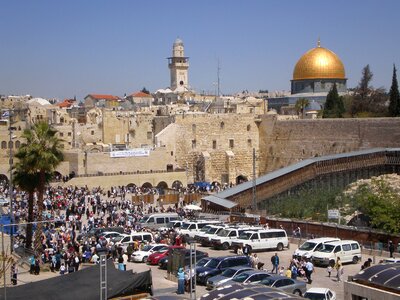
(379, 201)
(334, 107)
(301, 105)
(368, 101)
(42, 154)
(394, 97)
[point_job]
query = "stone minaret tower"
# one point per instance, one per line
(178, 65)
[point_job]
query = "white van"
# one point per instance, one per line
(308, 248)
(262, 240)
(138, 236)
(158, 220)
(348, 251)
(191, 228)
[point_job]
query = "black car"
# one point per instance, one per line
(218, 264)
(163, 263)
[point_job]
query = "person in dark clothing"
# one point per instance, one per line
(275, 263)
(391, 249)
(246, 250)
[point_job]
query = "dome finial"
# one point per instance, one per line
(319, 43)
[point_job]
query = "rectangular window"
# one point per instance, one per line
(149, 135)
(231, 143)
(193, 144)
(249, 143)
(69, 133)
(61, 133)
(92, 132)
(214, 145)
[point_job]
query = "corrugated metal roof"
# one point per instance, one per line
(286, 170)
(384, 275)
(220, 201)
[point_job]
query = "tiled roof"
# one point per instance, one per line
(105, 97)
(66, 103)
(141, 95)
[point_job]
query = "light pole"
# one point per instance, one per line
(11, 188)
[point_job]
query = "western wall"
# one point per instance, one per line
(285, 142)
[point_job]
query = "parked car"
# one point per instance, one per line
(218, 264)
(155, 257)
(108, 235)
(207, 233)
(142, 255)
(223, 239)
(226, 275)
(191, 228)
(308, 248)
(163, 263)
(320, 294)
(97, 231)
(158, 220)
(286, 284)
(251, 276)
(348, 251)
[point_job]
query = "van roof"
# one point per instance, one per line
(335, 243)
(323, 240)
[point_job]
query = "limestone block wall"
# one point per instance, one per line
(285, 142)
(216, 134)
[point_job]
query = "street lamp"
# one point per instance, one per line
(11, 188)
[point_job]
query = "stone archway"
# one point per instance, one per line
(241, 178)
(3, 179)
(176, 185)
(57, 176)
(147, 185)
(162, 185)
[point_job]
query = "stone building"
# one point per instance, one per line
(100, 100)
(178, 64)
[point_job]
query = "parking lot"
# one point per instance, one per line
(162, 285)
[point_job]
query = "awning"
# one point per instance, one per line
(220, 201)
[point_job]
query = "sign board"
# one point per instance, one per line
(130, 153)
(333, 214)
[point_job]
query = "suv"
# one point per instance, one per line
(207, 233)
(224, 238)
(262, 240)
(348, 251)
(217, 265)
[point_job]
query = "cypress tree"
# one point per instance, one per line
(394, 96)
(334, 107)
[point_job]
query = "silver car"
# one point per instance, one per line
(226, 275)
(251, 276)
(286, 284)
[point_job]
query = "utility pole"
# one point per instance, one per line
(254, 206)
(11, 188)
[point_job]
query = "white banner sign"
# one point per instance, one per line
(333, 214)
(130, 153)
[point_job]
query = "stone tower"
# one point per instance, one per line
(178, 65)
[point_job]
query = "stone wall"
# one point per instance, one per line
(285, 142)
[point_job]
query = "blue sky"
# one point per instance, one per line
(66, 48)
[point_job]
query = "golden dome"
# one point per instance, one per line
(317, 63)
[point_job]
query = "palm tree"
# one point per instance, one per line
(301, 105)
(42, 155)
(26, 180)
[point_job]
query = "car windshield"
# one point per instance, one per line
(144, 219)
(213, 263)
(245, 235)
(223, 232)
(202, 262)
(307, 246)
(185, 225)
(241, 277)
(147, 248)
(205, 229)
(314, 296)
(211, 230)
(118, 238)
(327, 248)
(228, 273)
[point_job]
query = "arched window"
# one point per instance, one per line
(10, 145)
(3, 145)
(222, 125)
(248, 127)
(17, 144)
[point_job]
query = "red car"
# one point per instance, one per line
(155, 257)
